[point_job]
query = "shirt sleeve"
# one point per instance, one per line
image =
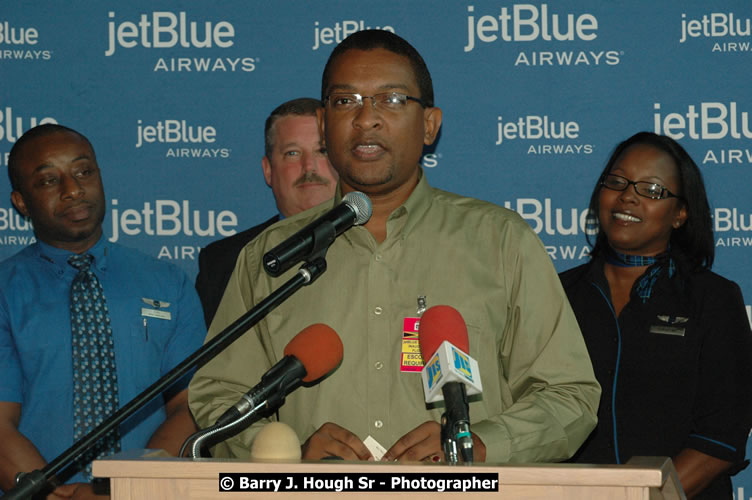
(722, 414)
(545, 368)
(11, 377)
(189, 330)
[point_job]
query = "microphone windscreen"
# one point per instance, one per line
(360, 204)
(276, 441)
(319, 348)
(440, 323)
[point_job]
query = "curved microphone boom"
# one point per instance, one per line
(354, 210)
(449, 374)
(311, 354)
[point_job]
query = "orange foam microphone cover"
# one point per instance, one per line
(440, 323)
(319, 348)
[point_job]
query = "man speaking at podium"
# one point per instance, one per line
(540, 395)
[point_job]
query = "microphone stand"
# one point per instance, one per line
(33, 482)
(455, 426)
(448, 443)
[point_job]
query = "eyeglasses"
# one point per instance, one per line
(386, 101)
(647, 189)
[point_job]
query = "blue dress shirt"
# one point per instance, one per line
(156, 321)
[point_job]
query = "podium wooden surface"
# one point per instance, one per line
(138, 476)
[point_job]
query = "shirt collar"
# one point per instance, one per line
(417, 204)
(59, 257)
(414, 208)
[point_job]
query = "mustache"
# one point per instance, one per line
(311, 178)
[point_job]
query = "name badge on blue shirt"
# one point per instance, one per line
(156, 309)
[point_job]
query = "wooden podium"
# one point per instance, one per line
(139, 476)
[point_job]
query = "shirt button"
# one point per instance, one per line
(378, 424)
(378, 257)
(378, 365)
(378, 310)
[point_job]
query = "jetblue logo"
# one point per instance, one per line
(707, 121)
(171, 218)
(545, 130)
(527, 23)
(522, 23)
(329, 35)
(710, 121)
(717, 24)
(548, 220)
(174, 131)
(20, 43)
(164, 30)
(11, 35)
(194, 138)
(12, 126)
(535, 127)
(731, 219)
(544, 217)
(11, 220)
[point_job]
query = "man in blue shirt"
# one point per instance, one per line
(155, 314)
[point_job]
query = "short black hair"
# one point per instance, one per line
(694, 239)
(30, 135)
(381, 39)
(302, 106)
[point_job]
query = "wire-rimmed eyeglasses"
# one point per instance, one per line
(385, 101)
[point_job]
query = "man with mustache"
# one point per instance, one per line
(297, 169)
(85, 324)
(421, 245)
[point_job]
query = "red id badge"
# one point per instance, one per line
(411, 360)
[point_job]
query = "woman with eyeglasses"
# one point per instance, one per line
(668, 338)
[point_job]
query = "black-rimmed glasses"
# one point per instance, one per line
(643, 188)
(385, 101)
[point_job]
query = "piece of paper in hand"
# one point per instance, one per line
(375, 448)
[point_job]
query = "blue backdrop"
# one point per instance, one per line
(173, 95)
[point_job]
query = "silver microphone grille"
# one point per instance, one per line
(361, 205)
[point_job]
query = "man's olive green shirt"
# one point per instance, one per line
(540, 396)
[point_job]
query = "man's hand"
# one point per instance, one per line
(424, 443)
(421, 443)
(331, 440)
(176, 428)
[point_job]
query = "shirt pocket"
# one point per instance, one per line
(140, 340)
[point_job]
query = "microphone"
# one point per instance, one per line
(449, 374)
(311, 354)
(354, 210)
(276, 441)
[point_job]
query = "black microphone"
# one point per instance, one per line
(354, 210)
(311, 354)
